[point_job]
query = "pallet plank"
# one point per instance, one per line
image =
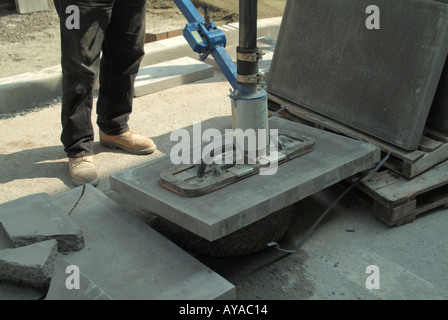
(404, 189)
(434, 145)
(397, 200)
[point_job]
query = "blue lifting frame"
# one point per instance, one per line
(206, 39)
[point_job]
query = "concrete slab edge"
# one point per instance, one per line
(25, 91)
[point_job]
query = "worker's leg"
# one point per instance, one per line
(123, 50)
(80, 63)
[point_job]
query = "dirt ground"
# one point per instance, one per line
(31, 42)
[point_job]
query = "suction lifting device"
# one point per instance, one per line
(249, 106)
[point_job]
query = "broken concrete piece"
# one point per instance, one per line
(169, 74)
(33, 219)
(31, 265)
(26, 6)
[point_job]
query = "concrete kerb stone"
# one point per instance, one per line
(169, 74)
(27, 6)
(24, 91)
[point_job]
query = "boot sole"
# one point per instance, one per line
(112, 145)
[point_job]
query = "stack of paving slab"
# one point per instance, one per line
(386, 86)
(82, 245)
(381, 82)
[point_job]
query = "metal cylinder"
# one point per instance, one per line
(250, 114)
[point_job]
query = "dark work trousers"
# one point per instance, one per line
(115, 28)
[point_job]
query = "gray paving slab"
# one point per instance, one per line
(222, 212)
(33, 218)
(127, 259)
(170, 74)
(30, 265)
(58, 289)
(381, 82)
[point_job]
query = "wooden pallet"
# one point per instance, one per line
(433, 148)
(397, 200)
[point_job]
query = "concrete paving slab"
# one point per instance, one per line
(227, 210)
(44, 221)
(31, 265)
(131, 261)
(27, 6)
(170, 74)
(381, 82)
(58, 289)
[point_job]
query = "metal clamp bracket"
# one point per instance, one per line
(251, 78)
(250, 57)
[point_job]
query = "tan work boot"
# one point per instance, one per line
(129, 141)
(83, 171)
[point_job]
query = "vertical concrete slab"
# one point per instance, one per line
(27, 6)
(129, 260)
(379, 81)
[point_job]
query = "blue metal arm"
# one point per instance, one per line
(189, 11)
(205, 38)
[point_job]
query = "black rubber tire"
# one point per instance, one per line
(248, 240)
